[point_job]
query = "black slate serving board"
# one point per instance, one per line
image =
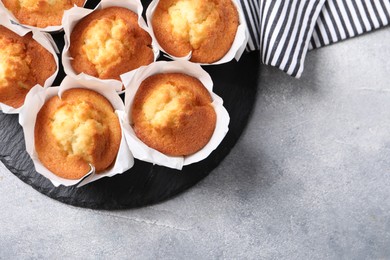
(144, 184)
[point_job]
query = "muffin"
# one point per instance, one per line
(108, 43)
(205, 27)
(76, 130)
(172, 113)
(23, 64)
(40, 13)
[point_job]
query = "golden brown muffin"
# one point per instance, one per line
(79, 129)
(205, 27)
(108, 43)
(23, 64)
(40, 13)
(173, 114)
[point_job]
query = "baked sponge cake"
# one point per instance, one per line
(79, 129)
(40, 13)
(23, 64)
(205, 27)
(108, 43)
(172, 113)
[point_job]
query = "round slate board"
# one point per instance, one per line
(144, 184)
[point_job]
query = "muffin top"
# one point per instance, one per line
(79, 129)
(40, 13)
(205, 27)
(23, 64)
(173, 114)
(108, 43)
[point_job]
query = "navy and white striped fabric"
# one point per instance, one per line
(284, 30)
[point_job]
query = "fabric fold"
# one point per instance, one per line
(343, 19)
(284, 30)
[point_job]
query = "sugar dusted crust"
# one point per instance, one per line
(23, 64)
(79, 129)
(108, 43)
(40, 13)
(173, 114)
(205, 27)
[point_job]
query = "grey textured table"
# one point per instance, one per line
(309, 179)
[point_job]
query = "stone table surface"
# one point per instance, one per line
(308, 179)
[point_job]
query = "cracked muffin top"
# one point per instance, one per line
(173, 113)
(108, 43)
(23, 64)
(205, 27)
(75, 131)
(40, 13)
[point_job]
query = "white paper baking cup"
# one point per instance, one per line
(49, 29)
(74, 15)
(43, 39)
(143, 152)
(236, 50)
(37, 97)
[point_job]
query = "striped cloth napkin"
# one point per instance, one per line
(284, 30)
